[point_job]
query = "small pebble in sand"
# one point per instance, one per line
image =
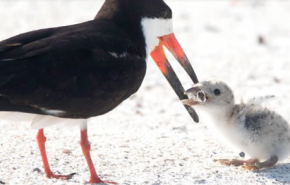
(66, 151)
(242, 154)
(36, 170)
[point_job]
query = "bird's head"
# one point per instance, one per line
(151, 20)
(210, 96)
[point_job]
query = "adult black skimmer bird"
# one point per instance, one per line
(85, 70)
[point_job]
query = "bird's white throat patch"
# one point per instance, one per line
(154, 28)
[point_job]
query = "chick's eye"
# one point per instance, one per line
(217, 92)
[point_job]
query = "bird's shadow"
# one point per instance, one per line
(279, 172)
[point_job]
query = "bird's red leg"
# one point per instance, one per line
(41, 144)
(86, 147)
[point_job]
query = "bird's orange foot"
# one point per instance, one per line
(109, 182)
(229, 162)
(61, 177)
(99, 181)
(250, 167)
(222, 161)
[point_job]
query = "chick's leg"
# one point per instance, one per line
(259, 165)
(236, 162)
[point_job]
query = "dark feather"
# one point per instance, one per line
(70, 69)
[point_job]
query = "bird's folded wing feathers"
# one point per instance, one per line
(41, 42)
(22, 39)
(59, 63)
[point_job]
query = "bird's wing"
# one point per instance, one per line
(80, 36)
(59, 68)
(26, 38)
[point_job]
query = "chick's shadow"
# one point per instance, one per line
(279, 172)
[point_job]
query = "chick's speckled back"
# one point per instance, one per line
(259, 129)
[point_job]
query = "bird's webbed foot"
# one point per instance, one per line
(259, 165)
(236, 162)
(61, 177)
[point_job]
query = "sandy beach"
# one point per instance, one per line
(150, 139)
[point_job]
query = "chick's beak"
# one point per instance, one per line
(189, 102)
(160, 59)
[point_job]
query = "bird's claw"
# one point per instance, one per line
(251, 167)
(61, 177)
(109, 182)
(101, 182)
(222, 161)
(229, 162)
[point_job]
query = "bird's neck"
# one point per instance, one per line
(218, 115)
(152, 29)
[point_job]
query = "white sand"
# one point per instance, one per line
(150, 139)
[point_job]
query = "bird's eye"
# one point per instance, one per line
(217, 92)
(163, 13)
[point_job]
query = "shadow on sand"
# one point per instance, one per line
(280, 173)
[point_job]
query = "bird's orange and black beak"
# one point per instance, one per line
(158, 55)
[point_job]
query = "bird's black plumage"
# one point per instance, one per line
(87, 69)
(70, 69)
(82, 70)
